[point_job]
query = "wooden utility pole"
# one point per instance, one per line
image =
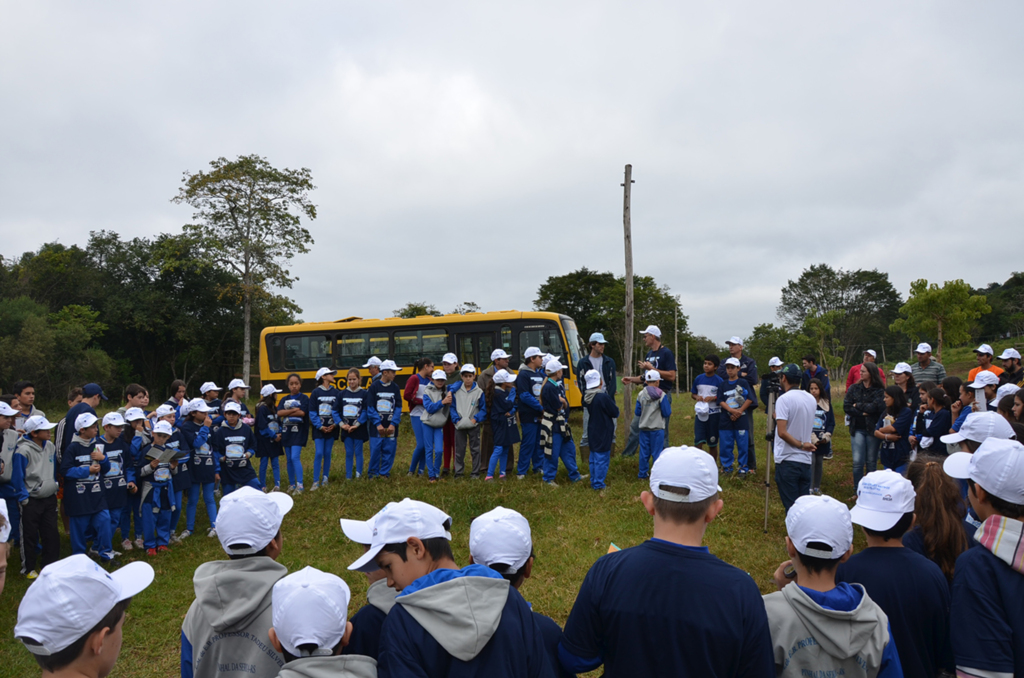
(627, 391)
(675, 350)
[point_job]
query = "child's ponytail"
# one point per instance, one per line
(940, 512)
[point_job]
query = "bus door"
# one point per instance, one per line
(474, 347)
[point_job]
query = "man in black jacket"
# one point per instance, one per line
(596, 360)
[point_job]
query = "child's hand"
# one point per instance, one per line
(154, 463)
(174, 463)
(132, 488)
(780, 578)
(207, 422)
(96, 455)
(391, 430)
(94, 468)
(447, 399)
(955, 407)
(380, 430)
(216, 477)
(277, 438)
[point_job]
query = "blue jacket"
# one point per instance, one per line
(268, 428)
(355, 401)
(83, 492)
(182, 479)
(607, 373)
(232, 445)
(529, 384)
(550, 395)
(819, 373)
(205, 464)
(481, 413)
(503, 418)
(600, 426)
(323, 411)
(122, 472)
(294, 430)
(383, 405)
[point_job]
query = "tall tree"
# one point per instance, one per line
(576, 295)
(946, 313)
(768, 341)
(248, 219)
(415, 308)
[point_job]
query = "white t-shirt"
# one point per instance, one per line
(597, 363)
(797, 409)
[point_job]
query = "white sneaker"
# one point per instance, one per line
(184, 535)
(323, 483)
(358, 474)
(277, 488)
(126, 545)
(139, 544)
(174, 539)
(212, 532)
(291, 489)
(316, 486)
(521, 477)
(552, 483)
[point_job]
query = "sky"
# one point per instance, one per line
(468, 151)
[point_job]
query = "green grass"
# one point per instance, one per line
(572, 527)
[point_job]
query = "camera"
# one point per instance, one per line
(772, 383)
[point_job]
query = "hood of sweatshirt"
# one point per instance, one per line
(591, 393)
(846, 630)
(653, 392)
(381, 596)
(81, 441)
(460, 609)
(342, 666)
(233, 593)
(1002, 536)
(824, 404)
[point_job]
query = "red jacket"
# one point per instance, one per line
(412, 387)
(854, 376)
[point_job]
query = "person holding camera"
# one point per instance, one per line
(794, 425)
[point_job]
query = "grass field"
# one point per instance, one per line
(572, 527)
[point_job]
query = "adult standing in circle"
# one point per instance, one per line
(529, 385)
(793, 449)
(748, 372)
(864, 403)
(903, 376)
(1012, 371)
(926, 368)
(605, 366)
(659, 358)
(853, 376)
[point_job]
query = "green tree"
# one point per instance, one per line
(467, 307)
(818, 337)
(767, 341)
(576, 295)
(415, 308)
(946, 313)
(248, 219)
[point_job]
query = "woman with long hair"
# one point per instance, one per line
(821, 434)
(293, 413)
(904, 378)
(893, 430)
(268, 435)
(939, 532)
(353, 424)
(864, 403)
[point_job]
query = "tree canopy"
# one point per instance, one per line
(947, 313)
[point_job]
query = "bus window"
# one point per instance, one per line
(354, 349)
(505, 337)
(306, 353)
(572, 336)
(410, 345)
(548, 340)
(274, 353)
(465, 349)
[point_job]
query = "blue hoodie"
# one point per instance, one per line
(529, 385)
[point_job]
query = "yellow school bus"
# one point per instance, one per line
(350, 342)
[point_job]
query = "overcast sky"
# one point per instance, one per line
(467, 151)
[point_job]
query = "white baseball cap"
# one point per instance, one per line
(70, 597)
(652, 375)
(232, 406)
(998, 466)
(883, 497)
(532, 351)
(979, 427)
(374, 361)
(197, 405)
(248, 519)
(113, 419)
(1005, 390)
(983, 379)
(870, 352)
(209, 386)
(324, 370)
(5, 529)
(901, 368)
(468, 367)
(37, 423)
(237, 383)
(923, 348)
(553, 366)
(396, 524)
(85, 420)
(774, 362)
(499, 354)
(449, 358)
(439, 374)
(592, 378)
(501, 536)
(134, 413)
(1010, 353)
(735, 340)
(269, 389)
(734, 361)
(652, 329)
(984, 348)
(163, 427)
(597, 337)
(6, 410)
(360, 531)
(164, 410)
(388, 365)
(504, 377)
(310, 607)
(688, 469)
(819, 519)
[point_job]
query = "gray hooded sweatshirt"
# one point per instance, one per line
(341, 666)
(461, 614)
(810, 640)
(40, 482)
(381, 596)
(227, 623)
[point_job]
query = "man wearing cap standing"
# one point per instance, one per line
(793, 449)
(499, 361)
(1012, 371)
(853, 376)
(228, 623)
(659, 358)
(987, 617)
(605, 366)
(926, 368)
(748, 372)
(92, 394)
(373, 367)
(529, 385)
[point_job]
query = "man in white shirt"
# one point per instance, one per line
(794, 419)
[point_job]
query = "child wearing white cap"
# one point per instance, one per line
(437, 401)
(445, 616)
(601, 424)
(529, 384)
(9, 491)
(119, 482)
(83, 467)
(268, 435)
(71, 618)
(503, 422)
(819, 627)
(311, 627)
(910, 589)
(707, 413)
(35, 472)
(501, 540)
(985, 386)
(468, 410)
(136, 425)
(293, 413)
(195, 427)
(324, 420)
(736, 400)
(235, 444)
(353, 409)
(555, 435)
(237, 392)
(384, 411)
(154, 474)
(638, 611)
(368, 622)
(653, 408)
(181, 477)
(373, 367)
(987, 618)
(229, 621)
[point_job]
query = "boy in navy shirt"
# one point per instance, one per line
(707, 413)
(119, 481)
(736, 399)
(82, 468)
(384, 411)
(235, 443)
(653, 408)
(529, 384)
(910, 589)
(601, 427)
(555, 435)
(380, 598)
(988, 586)
(490, 631)
(205, 464)
(639, 611)
(156, 487)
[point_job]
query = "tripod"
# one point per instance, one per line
(770, 437)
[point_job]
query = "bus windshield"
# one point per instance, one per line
(572, 336)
